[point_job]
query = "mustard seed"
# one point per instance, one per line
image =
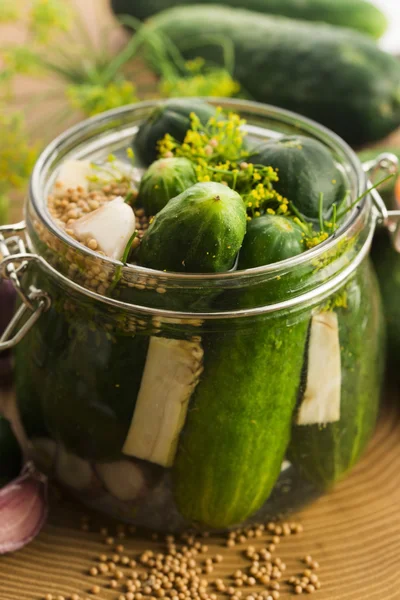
(109, 541)
(314, 565)
(276, 539)
(317, 585)
(93, 571)
(119, 548)
(298, 589)
(274, 585)
(310, 588)
(130, 596)
(119, 574)
(75, 597)
(95, 589)
(48, 597)
(308, 559)
(275, 595)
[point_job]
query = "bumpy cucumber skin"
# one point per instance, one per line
(199, 231)
(173, 117)
(269, 239)
(306, 169)
(356, 14)
(238, 426)
(335, 76)
(324, 454)
(10, 453)
(165, 179)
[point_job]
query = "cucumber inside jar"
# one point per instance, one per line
(213, 413)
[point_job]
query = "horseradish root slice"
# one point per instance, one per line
(171, 373)
(321, 402)
(73, 174)
(111, 226)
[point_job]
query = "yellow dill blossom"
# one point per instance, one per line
(48, 17)
(8, 11)
(17, 157)
(317, 239)
(92, 99)
(212, 82)
(20, 60)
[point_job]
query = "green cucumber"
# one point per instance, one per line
(387, 264)
(269, 239)
(356, 14)
(10, 453)
(238, 426)
(173, 117)
(325, 453)
(199, 231)
(306, 169)
(332, 75)
(163, 180)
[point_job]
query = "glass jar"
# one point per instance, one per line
(176, 400)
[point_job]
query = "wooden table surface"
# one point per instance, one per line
(354, 531)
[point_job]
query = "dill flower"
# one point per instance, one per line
(92, 99)
(8, 11)
(48, 17)
(214, 82)
(20, 60)
(17, 157)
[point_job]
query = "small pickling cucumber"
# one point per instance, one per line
(10, 453)
(269, 239)
(166, 178)
(325, 449)
(173, 117)
(306, 169)
(238, 425)
(199, 231)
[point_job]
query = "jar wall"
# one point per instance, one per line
(224, 448)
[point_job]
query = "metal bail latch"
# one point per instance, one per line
(14, 260)
(390, 219)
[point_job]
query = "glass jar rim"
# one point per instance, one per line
(261, 110)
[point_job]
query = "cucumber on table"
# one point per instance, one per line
(238, 426)
(324, 453)
(332, 75)
(356, 14)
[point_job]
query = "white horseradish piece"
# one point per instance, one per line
(73, 174)
(171, 373)
(321, 403)
(111, 226)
